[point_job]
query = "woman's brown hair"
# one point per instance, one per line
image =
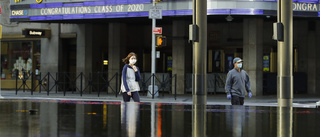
(126, 60)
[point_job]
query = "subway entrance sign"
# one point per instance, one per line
(36, 33)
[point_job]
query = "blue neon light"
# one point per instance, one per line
(115, 15)
(37, 6)
(118, 2)
(54, 17)
(94, 16)
(53, 5)
(138, 14)
(38, 18)
(306, 1)
(168, 13)
(73, 16)
(73, 5)
(20, 17)
(183, 12)
(218, 11)
(246, 11)
(94, 3)
(138, 1)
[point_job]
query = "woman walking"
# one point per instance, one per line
(130, 78)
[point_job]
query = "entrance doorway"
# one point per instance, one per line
(68, 71)
(69, 55)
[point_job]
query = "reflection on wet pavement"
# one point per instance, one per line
(53, 118)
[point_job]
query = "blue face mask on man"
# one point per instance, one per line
(239, 65)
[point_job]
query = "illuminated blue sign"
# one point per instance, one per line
(80, 9)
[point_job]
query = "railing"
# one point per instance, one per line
(215, 82)
(87, 83)
(164, 80)
(69, 82)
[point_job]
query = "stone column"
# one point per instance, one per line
(299, 39)
(116, 43)
(177, 121)
(50, 49)
(50, 52)
(179, 30)
(81, 123)
(252, 52)
(84, 48)
(302, 41)
(48, 121)
(317, 58)
(84, 52)
(312, 62)
(112, 123)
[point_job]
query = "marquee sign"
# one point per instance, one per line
(35, 10)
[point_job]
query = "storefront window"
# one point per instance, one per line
(22, 56)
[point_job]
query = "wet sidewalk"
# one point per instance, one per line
(300, 100)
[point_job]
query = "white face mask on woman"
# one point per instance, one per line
(132, 61)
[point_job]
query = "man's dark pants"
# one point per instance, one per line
(236, 100)
(135, 96)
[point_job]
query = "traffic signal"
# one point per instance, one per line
(161, 41)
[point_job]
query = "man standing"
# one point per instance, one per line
(237, 83)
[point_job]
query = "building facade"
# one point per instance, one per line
(79, 35)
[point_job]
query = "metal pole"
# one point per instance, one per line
(153, 54)
(163, 81)
(199, 85)
(199, 82)
(81, 74)
(116, 84)
(152, 86)
(107, 83)
(40, 83)
(17, 73)
(284, 122)
(57, 84)
(153, 119)
(175, 86)
(64, 83)
(32, 83)
(98, 84)
(199, 118)
(24, 81)
(285, 52)
(48, 86)
(144, 83)
(215, 84)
